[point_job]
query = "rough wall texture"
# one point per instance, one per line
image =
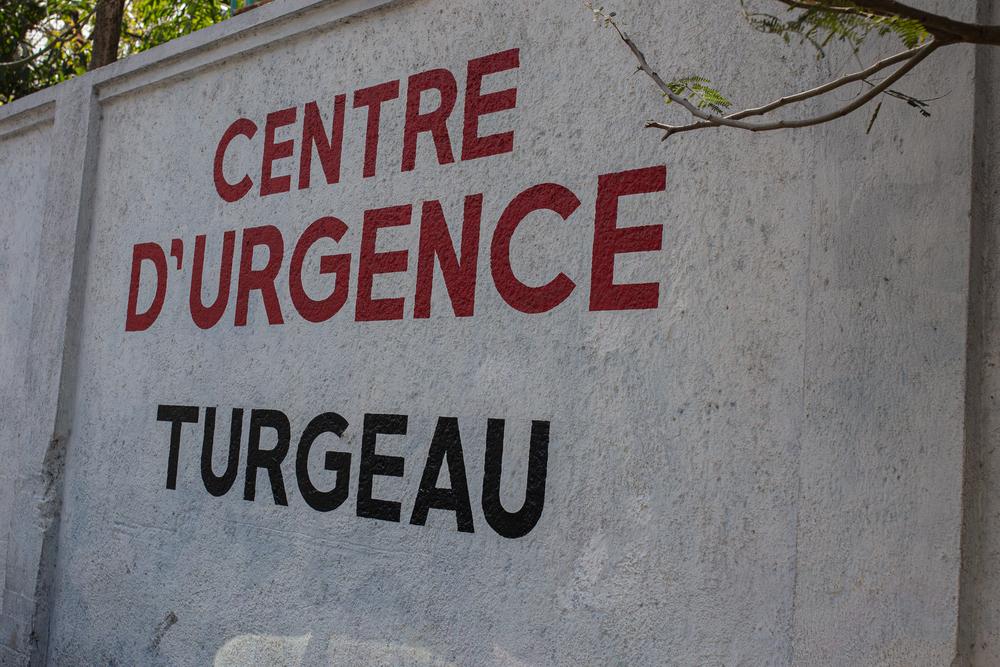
(979, 636)
(24, 161)
(765, 468)
(883, 386)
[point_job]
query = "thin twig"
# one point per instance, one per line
(674, 97)
(827, 87)
(914, 60)
(910, 58)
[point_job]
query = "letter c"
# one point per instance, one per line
(229, 191)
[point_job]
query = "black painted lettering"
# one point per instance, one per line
(373, 464)
(219, 485)
(177, 415)
(446, 445)
(269, 459)
(338, 462)
(520, 523)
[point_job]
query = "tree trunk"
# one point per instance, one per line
(107, 31)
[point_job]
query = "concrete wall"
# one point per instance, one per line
(979, 642)
(764, 468)
(25, 160)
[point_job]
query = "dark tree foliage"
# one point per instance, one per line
(43, 42)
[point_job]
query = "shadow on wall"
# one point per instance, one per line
(290, 651)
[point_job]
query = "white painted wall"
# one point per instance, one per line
(765, 469)
(24, 161)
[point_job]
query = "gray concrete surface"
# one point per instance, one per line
(979, 643)
(766, 468)
(25, 165)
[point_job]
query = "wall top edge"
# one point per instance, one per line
(22, 112)
(244, 32)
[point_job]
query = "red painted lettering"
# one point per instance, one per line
(339, 265)
(611, 240)
(459, 275)
(477, 104)
(251, 279)
(207, 317)
(329, 148)
(269, 184)
(434, 121)
(371, 263)
(527, 299)
(229, 191)
(373, 98)
(134, 320)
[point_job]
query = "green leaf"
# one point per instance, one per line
(700, 93)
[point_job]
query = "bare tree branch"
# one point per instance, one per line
(942, 27)
(665, 88)
(812, 4)
(827, 87)
(910, 58)
(715, 121)
(701, 100)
